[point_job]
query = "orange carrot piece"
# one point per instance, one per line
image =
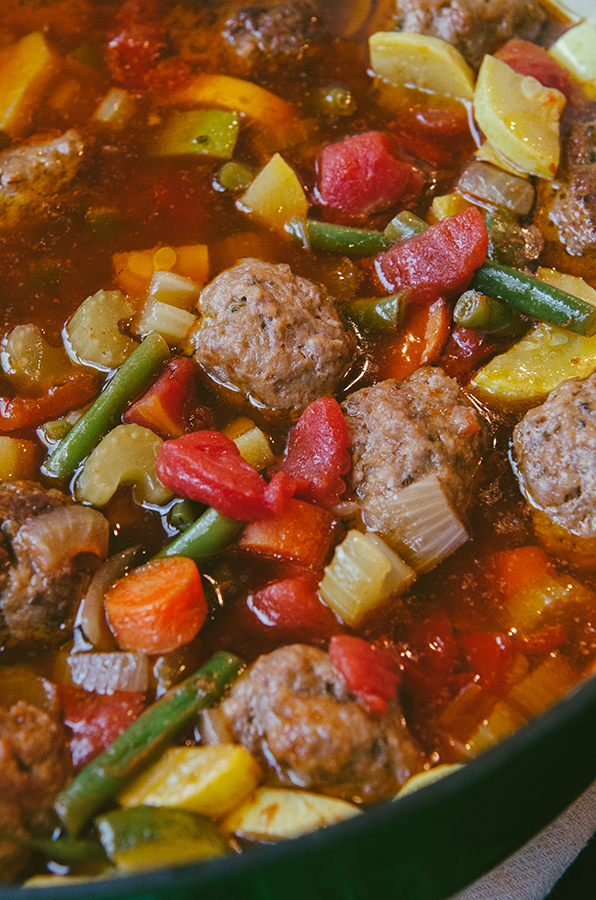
(303, 533)
(421, 341)
(520, 568)
(157, 607)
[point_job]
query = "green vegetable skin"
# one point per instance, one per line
(142, 741)
(129, 380)
(205, 132)
(536, 298)
(204, 538)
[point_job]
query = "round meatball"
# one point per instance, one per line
(554, 448)
(49, 548)
(401, 432)
(294, 712)
(274, 336)
(281, 30)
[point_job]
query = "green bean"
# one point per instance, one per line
(183, 513)
(536, 298)
(337, 238)
(481, 313)
(87, 431)
(380, 314)
(333, 100)
(66, 851)
(204, 538)
(143, 741)
(233, 176)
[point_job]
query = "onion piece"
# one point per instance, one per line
(425, 530)
(485, 182)
(105, 673)
(213, 727)
(91, 623)
(52, 539)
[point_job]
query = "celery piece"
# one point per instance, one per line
(92, 335)
(29, 363)
(129, 380)
(205, 132)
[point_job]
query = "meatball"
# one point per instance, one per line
(403, 431)
(35, 173)
(474, 27)
(554, 448)
(48, 550)
(35, 764)
(281, 30)
(274, 336)
(294, 712)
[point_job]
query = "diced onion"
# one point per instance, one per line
(54, 538)
(425, 529)
(105, 673)
(91, 617)
(363, 574)
(493, 185)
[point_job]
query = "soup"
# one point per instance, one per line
(297, 412)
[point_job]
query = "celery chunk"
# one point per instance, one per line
(205, 132)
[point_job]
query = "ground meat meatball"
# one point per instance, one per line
(474, 27)
(272, 335)
(401, 432)
(294, 712)
(555, 454)
(34, 765)
(280, 30)
(48, 550)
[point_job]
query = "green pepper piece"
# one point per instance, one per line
(380, 314)
(149, 836)
(536, 298)
(205, 132)
(129, 380)
(143, 741)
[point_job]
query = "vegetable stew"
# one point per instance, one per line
(297, 413)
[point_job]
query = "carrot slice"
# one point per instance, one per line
(157, 607)
(421, 342)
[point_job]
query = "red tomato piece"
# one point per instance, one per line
(530, 59)
(432, 653)
(169, 404)
(466, 351)
(438, 262)
(371, 673)
(292, 608)
(135, 47)
(361, 174)
(207, 466)
(95, 720)
(491, 657)
(317, 453)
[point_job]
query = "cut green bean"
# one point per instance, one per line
(210, 534)
(333, 100)
(143, 741)
(233, 176)
(183, 513)
(129, 380)
(66, 851)
(536, 298)
(404, 225)
(337, 238)
(489, 314)
(378, 313)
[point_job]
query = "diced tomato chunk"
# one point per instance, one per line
(438, 262)
(530, 59)
(466, 351)
(361, 174)
(490, 656)
(95, 720)
(293, 609)
(317, 453)
(207, 466)
(136, 43)
(431, 657)
(372, 673)
(169, 404)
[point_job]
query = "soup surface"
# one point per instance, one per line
(297, 394)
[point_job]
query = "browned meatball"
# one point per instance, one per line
(274, 336)
(48, 550)
(403, 431)
(280, 30)
(555, 455)
(474, 27)
(294, 712)
(35, 764)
